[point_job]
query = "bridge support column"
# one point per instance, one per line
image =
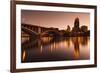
(39, 30)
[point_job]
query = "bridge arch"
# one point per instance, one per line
(53, 33)
(29, 32)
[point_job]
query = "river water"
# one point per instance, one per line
(55, 49)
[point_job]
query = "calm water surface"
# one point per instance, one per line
(51, 49)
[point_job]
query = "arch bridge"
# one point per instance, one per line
(34, 31)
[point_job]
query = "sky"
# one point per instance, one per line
(54, 19)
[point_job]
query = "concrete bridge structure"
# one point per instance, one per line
(33, 30)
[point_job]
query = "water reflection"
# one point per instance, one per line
(75, 41)
(51, 49)
(23, 55)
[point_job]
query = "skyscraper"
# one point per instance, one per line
(76, 25)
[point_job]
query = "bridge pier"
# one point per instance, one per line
(39, 30)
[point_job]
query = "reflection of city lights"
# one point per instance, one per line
(65, 43)
(51, 47)
(76, 42)
(46, 39)
(88, 45)
(41, 49)
(57, 45)
(24, 55)
(76, 54)
(54, 45)
(61, 44)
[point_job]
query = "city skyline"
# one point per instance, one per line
(54, 19)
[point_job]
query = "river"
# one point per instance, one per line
(55, 49)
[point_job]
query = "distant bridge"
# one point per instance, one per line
(34, 31)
